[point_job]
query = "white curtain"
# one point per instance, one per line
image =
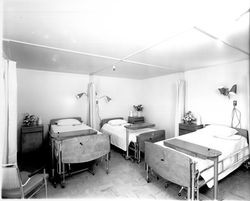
(92, 105)
(180, 104)
(8, 93)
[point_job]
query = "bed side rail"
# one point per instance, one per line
(85, 148)
(169, 164)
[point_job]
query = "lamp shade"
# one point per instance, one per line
(223, 91)
(233, 90)
(80, 95)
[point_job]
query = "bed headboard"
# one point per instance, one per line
(243, 132)
(104, 121)
(52, 121)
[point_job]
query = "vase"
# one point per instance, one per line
(139, 113)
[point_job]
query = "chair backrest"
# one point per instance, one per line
(11, 178)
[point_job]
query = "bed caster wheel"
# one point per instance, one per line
(62, 185)
(157, 178)
(54, 184)
(148, 180)
(179, 194)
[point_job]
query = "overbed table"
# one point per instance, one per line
(135, 127)
(59, 137)
(199, 152)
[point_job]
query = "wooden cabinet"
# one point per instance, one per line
(135, 120)
(32, 144)
(188, 128)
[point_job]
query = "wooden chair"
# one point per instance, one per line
(13, 187)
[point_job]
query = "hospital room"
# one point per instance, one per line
(132, 99)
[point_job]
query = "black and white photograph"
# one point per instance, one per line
(125, 99)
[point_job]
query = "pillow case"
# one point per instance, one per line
(68, 122)
(219, 131)
(117, 122)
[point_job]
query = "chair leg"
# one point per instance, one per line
(107, 163)
(45, 183)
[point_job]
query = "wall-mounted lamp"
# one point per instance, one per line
(81, 94)
(226, 92)
(107, 98)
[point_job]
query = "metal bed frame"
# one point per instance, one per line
(192, 179)
(138, 146)
(58, 162)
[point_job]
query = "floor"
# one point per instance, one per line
(127, 180)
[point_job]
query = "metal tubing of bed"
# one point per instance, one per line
(215, 178)
(139, 153)
(232, 155)
(147, 170)
(242, 160)
(107, 163)
(127, 138)
(193, 179)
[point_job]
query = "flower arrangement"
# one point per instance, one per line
(138, 108)
(29, 120)
(189, 117)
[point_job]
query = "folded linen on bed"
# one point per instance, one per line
(227, 145)
(67, 128)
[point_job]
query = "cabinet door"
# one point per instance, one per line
(31, 142)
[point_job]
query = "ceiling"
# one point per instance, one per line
(140, 38)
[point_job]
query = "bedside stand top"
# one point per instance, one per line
(191, 127)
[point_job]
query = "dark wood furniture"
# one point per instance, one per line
(188, 128)
(136, 120)
(32, 145)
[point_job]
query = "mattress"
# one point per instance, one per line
(71, 130)
(118, 134)
(227, 146)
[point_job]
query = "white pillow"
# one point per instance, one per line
(68, 122)
(117, 122)
(219, 131)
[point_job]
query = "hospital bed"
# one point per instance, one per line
(130, 137)
(73, 143)
(214, 154)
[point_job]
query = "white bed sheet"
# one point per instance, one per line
(118, 134)
(227, 145)
(68, 128)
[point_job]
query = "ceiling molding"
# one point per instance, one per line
(60, 49)
(125, 59)
(220, 40)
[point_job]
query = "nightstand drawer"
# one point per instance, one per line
(134, 120)
(32, 129)
(188, 128)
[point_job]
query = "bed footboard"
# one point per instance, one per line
(152, 136)
(85, 148)
(170, 164)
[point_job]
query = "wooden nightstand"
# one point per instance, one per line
(32, 145)
(188, 128)
(135, 120)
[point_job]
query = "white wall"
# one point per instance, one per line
(204, 98)
(158, 96)
(124, 93)
(52, 95)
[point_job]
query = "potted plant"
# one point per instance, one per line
(29, 120)
(189, 118)
(138, 109)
